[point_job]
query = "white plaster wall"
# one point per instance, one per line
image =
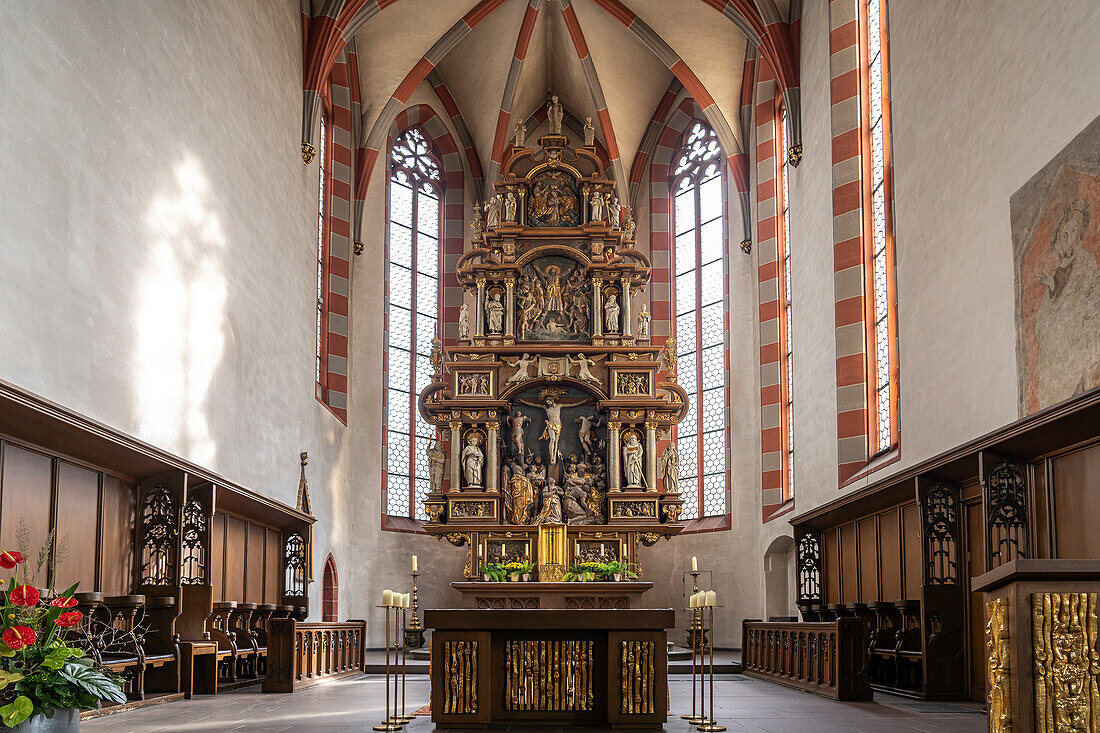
(983, 94)
(158, 234)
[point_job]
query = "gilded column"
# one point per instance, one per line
(509, 307)
(614, 471)
(651, 456)
(492, 456)
(597, 302)
(456, 451)
(625, 330)
(480, 311)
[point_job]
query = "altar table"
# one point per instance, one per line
(549, 667)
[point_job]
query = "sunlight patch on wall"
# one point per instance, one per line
(180, 316)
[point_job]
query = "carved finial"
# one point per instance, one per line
(303, 487)
(746, 246)
(308, 153)
(357, 247)
(794, 154)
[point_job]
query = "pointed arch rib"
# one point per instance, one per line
(504, 118)
(473, 160)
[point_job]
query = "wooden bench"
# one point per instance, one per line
(827, 658)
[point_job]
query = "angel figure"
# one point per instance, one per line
(522, 365)
(464, 322)
(583, 362)
(492, 212)
(552, 432)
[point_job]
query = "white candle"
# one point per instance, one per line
(694, 564)
(712, 598)
(693, 599)
(406, 600)
(387, 597)
(414, 564)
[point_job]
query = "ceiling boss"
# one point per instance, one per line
(552, 405)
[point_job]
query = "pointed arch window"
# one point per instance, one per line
(698, 213)
(412, 314)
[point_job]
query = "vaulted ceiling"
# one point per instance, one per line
(511, 55)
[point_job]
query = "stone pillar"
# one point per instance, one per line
(625, 298)
(456, 452)
(509, 307)
(597, 307)
(651, 456)
(480, 310)
(521, 214)
(492, 456)
(614, 449)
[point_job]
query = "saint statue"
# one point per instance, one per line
(464, 322)
(436, 460)
(616, 210)
(477, 224)
(643, 323)
(598, 212)
(628, 227)
(510, 207)
(551, 278)
(551, 504)
(632, 462)
(519, 495)
(472, 461)
(552, 432)
(670, 468)
(495, 310)
(520, 134)
(582, 362)
(555, 115)
(522, 365)
(589, 133)
(517, 421)
(572, 503)
(611, 314)
(492, 212)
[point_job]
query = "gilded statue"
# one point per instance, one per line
(519, 494)
(553, 200)
(632, 462)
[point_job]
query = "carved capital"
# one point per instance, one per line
(455, 425)
(614, 425)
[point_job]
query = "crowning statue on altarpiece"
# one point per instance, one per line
(552, 411)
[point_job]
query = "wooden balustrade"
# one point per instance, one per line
(827, 658)
(303, 654)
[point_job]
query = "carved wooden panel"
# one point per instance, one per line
(1066, 662)
(552, 675)
(637, 679)
(460, 678)
(1004, 483)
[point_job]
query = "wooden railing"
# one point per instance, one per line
(303, 654)
(827, 658)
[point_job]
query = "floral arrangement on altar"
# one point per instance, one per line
(514, 570)
(585, 572)
(39, 673)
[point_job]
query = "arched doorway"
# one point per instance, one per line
(778, 571)
(329, 590)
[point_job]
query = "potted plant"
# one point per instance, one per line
(616, 571)
(526, 568)
(44, 682)
(492, 571)
(583, 572)
(513, 570)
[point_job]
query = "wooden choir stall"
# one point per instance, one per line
(187, 581)
(953, 568)
(554, 410)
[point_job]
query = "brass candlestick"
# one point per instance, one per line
(387, 723)
(402, 717)
(695, 717)
(414, 631)
(710, 725)
(696, 628)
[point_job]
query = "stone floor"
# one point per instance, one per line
(741, 704)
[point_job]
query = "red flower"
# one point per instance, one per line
(18, 637)
(11, 558)
(69, 618)
(24, 595)
(63, 602)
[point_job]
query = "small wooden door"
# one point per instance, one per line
(975, 567)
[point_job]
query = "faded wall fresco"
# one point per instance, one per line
(1056, 245)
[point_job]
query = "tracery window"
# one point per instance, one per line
(882, 319)
(698, 193)
(786, 366)
(413, 254)
(323, 165)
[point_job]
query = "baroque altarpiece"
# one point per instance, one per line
(556, 406)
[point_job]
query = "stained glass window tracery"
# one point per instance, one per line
(698, 194)
(415, 189)
(787, 364)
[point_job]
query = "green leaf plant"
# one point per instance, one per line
(40, 673)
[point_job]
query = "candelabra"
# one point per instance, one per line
(710, 725)
(414, 631)
(401, 718)
(697, 633)
(695, 717)
(388, 722)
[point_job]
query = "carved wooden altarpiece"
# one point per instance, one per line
(551, 408)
